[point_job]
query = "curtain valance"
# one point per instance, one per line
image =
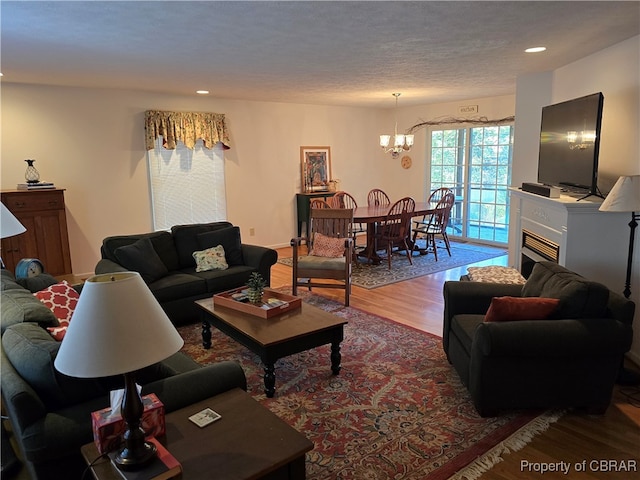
(187, 127)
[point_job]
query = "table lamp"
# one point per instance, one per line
(118, 327)
(625, 197)
(9, 225)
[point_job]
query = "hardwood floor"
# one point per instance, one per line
(577, 438)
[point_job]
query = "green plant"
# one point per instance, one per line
(256, 282)
(255, 286)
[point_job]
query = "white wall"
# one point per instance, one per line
(533, 92)
(615, 72)
(492, 108)
(90, 142)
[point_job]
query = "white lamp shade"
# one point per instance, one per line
(117, 327)
(624, 196)
(384, 140)
(9, 225)
(408, 140)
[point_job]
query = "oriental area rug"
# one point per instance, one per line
(397, 410)
(371, 276)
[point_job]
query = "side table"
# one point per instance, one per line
(248, 442)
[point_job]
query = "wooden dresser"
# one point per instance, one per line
(42, 212)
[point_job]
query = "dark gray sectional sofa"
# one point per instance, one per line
(165, 261)
(50, 413)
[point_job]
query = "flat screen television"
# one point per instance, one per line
(570, 144)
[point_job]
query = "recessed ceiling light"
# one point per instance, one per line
(535, 49)
(202, 92)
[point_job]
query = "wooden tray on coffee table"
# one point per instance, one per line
(264, 310)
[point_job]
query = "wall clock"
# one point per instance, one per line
(405, 161)
(29, 267)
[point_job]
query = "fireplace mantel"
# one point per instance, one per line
(590, 242)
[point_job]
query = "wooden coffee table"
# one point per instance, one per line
(277, 337)
(248, 442)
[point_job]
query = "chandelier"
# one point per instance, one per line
(401, 143)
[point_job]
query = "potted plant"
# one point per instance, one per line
(255, 286)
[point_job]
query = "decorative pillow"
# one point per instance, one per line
(579, 297)
(32, 352)
(210, 259)
(503, 309)
(495, 274)
(141, 257)
(37, 283)
(324, 246)
(229, 238)
(19, 305)
(185, 239)
(62, 299)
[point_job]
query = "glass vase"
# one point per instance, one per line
(31, 175)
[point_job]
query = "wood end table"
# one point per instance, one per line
(248, 442)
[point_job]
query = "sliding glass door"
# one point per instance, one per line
(475, 163)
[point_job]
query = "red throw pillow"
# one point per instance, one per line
(324, 246)
(503, 309)
(62, 299)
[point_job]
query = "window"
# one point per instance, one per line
(481, 211)
(187, 186)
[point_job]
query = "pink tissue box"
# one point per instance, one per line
(108, 431)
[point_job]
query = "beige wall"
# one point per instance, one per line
(90, 142)
(615, 72)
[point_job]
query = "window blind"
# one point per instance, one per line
(187, 185)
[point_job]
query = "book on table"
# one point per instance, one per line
(35, 186)
(163, 467)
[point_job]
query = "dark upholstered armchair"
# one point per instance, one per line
(571, 358)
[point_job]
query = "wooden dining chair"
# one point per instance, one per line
(319, 203)
(329, 253)
(343, 199)
(336, 200)
(395, 230)
(436, 225)
(378, 197)
(438, 194)
(434, 198)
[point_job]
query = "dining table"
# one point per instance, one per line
(371, 215)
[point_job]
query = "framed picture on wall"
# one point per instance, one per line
(315, 164)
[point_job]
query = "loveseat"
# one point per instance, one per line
(50, 413)
(166, 263)
(568, 356)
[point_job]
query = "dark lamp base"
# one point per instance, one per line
(136, 452)
(127, 459)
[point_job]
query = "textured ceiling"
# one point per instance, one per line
(334, 53)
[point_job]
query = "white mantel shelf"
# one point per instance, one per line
(592, 243)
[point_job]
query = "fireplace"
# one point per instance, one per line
(535, 248)
(569, 232)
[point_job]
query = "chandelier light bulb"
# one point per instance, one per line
(401, 143)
